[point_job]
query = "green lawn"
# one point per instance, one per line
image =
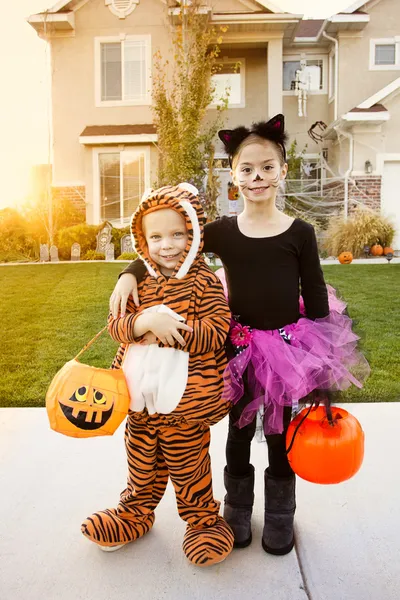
(48, 313)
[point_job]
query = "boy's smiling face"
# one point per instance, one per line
(166, 236)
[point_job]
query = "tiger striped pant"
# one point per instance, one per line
(156, 451)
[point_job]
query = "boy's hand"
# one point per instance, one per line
(148, 338)
(126, 286)
(166, 328)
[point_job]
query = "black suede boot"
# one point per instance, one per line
(239, 505)
(280, 505)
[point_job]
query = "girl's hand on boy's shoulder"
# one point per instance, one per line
(126, 286)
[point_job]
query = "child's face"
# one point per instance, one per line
(259, 171)
(166, 237)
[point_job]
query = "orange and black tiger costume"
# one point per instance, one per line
(175, 394)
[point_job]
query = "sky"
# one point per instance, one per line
(24, 104)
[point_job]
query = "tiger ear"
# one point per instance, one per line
(189, 188)
(147, 194)
(277, 123)
(225, 135)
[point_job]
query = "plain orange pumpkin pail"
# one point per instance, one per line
(324, 452)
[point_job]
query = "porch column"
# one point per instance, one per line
(275, 77)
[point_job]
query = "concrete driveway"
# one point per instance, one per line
(348, 535)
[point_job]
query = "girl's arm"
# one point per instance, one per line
(313, 287)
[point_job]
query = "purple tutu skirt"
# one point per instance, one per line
(285, 365)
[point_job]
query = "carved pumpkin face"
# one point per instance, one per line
(325, 453)
(345, 258)
(84, 401)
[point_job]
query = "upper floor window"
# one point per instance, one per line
(230, 78)
(385, 54)
(123, 70)
(316, 70)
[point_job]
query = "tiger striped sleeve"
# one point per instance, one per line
(121, 328)
(210, 330)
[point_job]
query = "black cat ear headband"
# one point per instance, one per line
(272, 130)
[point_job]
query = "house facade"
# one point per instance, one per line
(104, 140)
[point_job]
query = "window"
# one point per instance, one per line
(232, 76)
(123, 71)
(385, 54)
(316, 69)
(122, 179)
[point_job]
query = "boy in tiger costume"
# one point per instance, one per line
(173, 356)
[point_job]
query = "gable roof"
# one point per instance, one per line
(355, 7)
(309, 28)
(68, 5)
(386, 91)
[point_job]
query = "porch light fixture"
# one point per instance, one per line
(368, 167)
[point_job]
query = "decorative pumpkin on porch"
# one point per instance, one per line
(345, 258)
(376, 250)
(325, 451)
(84, 401)
(388, 250)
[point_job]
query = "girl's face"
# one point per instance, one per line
(166, 237)
(258, 171)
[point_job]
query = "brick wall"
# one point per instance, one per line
(365, 189)
(76, 195)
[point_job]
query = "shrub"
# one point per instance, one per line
(93, 255)
(364, 227)
(84, 234)
(116, 235)
(15, 238)
(127, 256)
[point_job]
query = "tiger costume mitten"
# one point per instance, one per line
(175, 394)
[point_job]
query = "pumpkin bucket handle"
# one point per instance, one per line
(91, 342)
(327, 400)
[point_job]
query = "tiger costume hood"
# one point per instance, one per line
(182, 198)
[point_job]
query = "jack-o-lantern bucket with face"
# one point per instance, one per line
(84, 401)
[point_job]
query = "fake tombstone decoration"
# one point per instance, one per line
(44, 253)
(103, 239)
(54, 253)
(110, 252)
(126, 244)
(75, 251)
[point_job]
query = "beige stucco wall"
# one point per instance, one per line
(356, 81)
(297, 127)
(73, 88)
(256, 89)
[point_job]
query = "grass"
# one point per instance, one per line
(49, 312)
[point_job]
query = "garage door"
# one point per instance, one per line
(391, 196)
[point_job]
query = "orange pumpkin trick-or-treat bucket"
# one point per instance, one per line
(84, 401)
(323, 450)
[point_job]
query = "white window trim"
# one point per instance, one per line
(96, 175)
(242, 61)
(332, 75)
(384, 41)
(298, 57)
(97, 70)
